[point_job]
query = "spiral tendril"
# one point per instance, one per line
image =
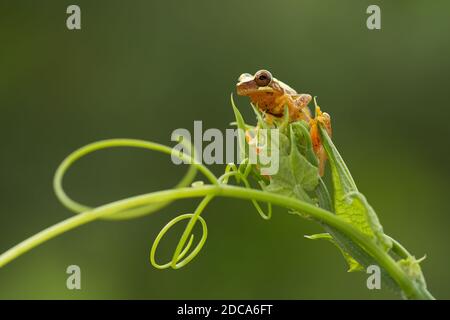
(176, 261)
(184, 251)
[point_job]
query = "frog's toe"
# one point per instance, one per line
(304, 99)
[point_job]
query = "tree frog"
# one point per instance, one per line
(271, 96)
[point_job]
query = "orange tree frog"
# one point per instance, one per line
(271, 96)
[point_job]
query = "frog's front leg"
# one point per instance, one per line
(296, 107)
(281, 102)
(325, 119)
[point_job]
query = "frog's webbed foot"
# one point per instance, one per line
(324, 119)
(302, 100)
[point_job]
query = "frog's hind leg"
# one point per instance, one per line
(324, 119)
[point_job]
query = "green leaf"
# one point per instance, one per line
(353, 265)
(242, 127)
(296, 176)
(259, 117)
(285, 183)
(304, 173)
(349, 203)
(303, 140)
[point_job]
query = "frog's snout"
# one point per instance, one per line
(245, 88)
(245, 77)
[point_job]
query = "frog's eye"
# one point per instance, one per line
(263, 78)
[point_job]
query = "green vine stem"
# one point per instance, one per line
(218, 187)
(317, 213)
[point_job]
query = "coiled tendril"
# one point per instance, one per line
(180, 256)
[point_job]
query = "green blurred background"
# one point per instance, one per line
(140, 69)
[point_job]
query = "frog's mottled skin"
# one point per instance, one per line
(271, 96)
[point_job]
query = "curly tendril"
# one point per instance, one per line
(180, 256)
(241, 175)
(77, 207)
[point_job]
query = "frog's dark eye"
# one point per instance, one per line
(263, 78)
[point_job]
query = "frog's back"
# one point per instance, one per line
(287, 89)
